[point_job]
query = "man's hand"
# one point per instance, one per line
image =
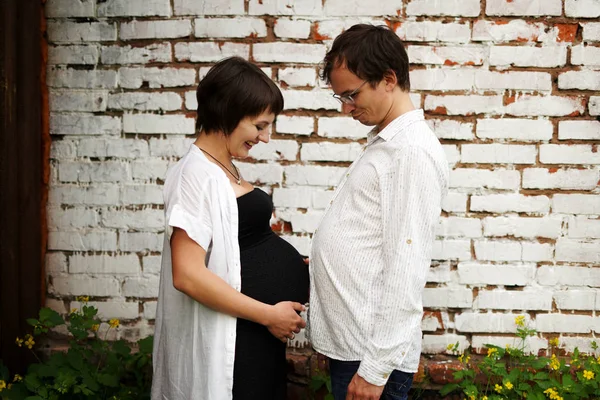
(359, 389)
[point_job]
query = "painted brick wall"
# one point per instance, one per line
(511, 87)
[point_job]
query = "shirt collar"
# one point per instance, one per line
(397, 125)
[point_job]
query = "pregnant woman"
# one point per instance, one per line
(230, 288)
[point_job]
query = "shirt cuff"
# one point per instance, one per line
(374, 373)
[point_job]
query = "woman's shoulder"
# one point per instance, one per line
(194, 170)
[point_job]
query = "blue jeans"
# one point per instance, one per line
(342, 372)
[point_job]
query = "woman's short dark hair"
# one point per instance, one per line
(232, 90)
(368, 52)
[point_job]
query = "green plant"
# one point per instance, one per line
(514, 373)
(320, 381)
(91, 368)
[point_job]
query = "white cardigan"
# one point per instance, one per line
(194, 346)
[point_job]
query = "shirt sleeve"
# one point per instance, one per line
(189, 207)
(411, 191)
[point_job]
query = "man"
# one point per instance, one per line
(372, 250)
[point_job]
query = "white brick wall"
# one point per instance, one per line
(155, 29)
(509, 87)
(525, 130)
(544, 57)
(466, 8)
(230, 27)
(523, 7)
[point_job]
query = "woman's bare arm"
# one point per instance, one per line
(191, 277)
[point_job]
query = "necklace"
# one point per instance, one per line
(238, 178)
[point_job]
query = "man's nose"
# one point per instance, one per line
(348, 108)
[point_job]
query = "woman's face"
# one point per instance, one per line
(249, 132)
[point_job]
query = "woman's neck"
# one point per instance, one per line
(215, 144)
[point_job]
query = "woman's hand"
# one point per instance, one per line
(283, 320)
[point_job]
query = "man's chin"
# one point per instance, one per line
(364, 122)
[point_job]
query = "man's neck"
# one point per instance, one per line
(401, 104)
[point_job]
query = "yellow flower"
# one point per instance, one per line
(114, 323)
(467, 359)
(9, 386)
(552, 394)
(498, 388)
(83, 299)
(2, 385)
(520, 320)
(460, 359)
(17, 378)
(589, 375)
(492, 351)
(484, 398)
(553, 342)
(29, 342)
(471, 397)
(508, 385)
(95, 327)
(73, 310)
(19, 341)
(554, 363)
(450, 346)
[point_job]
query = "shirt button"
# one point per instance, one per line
(347, 175)
(385, 376)
(408, 241)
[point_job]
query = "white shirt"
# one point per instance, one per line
(372, 249)
(194, 346)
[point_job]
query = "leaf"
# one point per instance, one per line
(89, 382)
(523, 386)
(4, 373)
(90, 311)
(541, 375)
(50, 318)
(75, 360)
(329, 396)
(315, 384)
(34, 398)
(448, 388)
(108, 380)
(32, 381)
(85, 390)
(32, 321)
(535, 396)
(145, 344)
(539, 363)
(121, 347)
(46, 371)
(567, 381)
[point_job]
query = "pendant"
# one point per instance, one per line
(239, 181)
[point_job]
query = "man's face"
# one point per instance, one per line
(369, 106)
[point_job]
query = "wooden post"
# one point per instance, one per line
(21, 174)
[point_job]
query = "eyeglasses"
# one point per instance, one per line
(349, 98)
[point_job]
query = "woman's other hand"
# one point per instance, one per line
(283, 320)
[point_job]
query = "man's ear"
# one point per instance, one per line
(390, 79)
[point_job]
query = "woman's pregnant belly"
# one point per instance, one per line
(274, 271)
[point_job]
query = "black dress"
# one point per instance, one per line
(272, 271)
